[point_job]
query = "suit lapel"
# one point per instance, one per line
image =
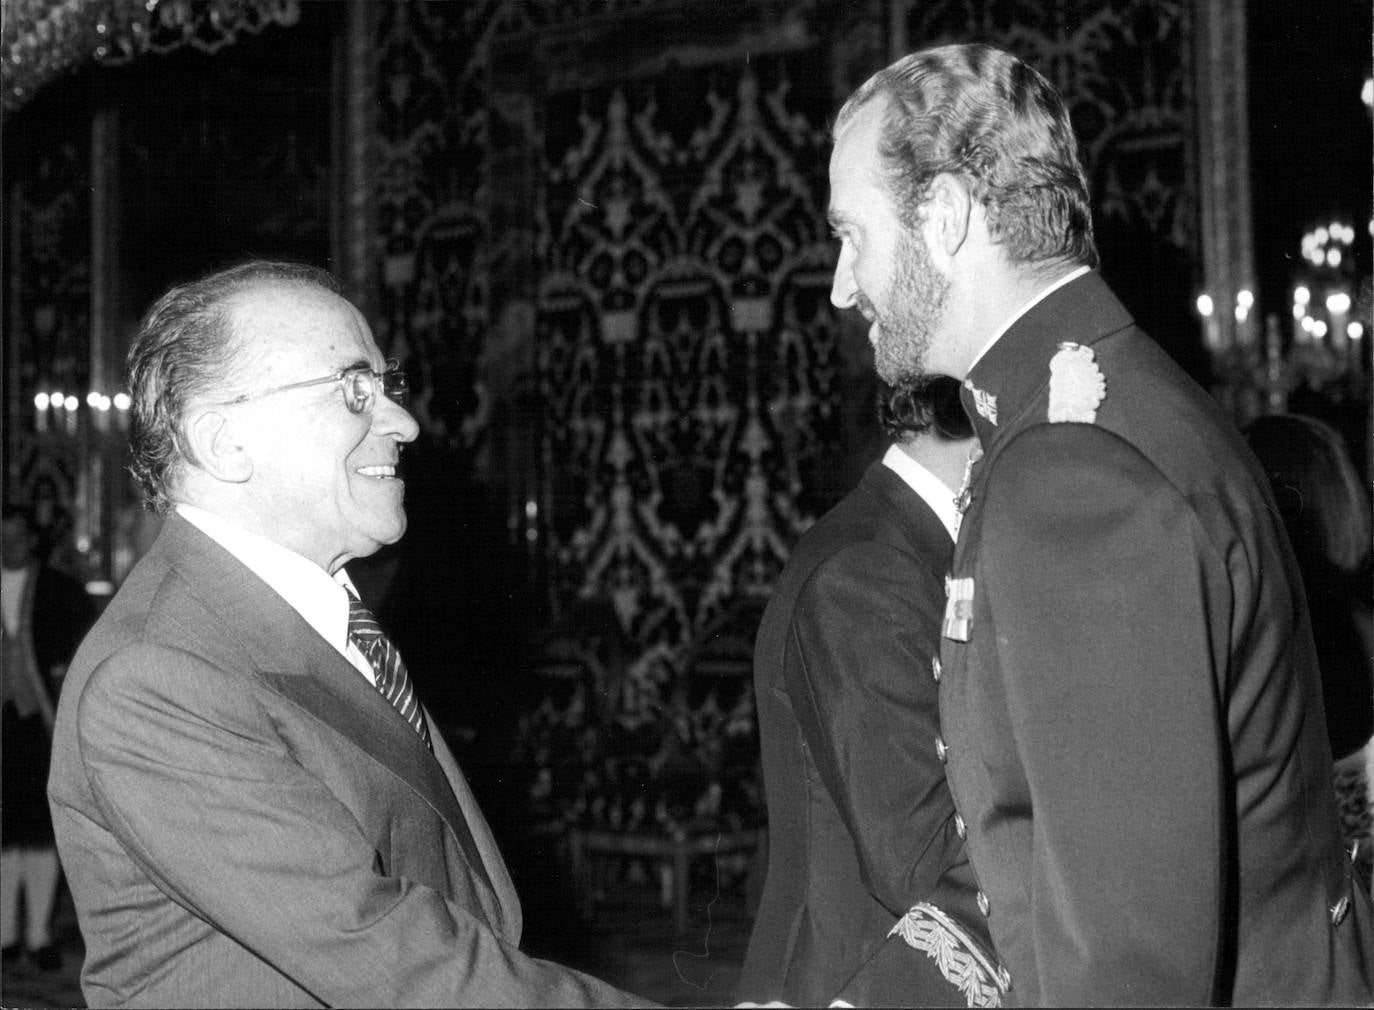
(292, 659)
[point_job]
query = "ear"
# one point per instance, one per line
(949, 215)
(215, 448)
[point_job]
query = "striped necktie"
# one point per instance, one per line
(388, 668)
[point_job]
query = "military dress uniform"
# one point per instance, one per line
(1130, 708)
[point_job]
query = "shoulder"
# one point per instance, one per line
(1046, 460)
(882, 531)
(144, 667)
(1072, 484)
(158, 639)
(1120, 424)
(871, 581)
(152, 689)
(882, 509)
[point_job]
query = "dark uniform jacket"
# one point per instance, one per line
(1130, 702)
(861, 825)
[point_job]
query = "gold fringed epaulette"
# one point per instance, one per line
(1077, 386)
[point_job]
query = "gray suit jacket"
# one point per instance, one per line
(245, 821)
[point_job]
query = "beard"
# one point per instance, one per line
(915, 305)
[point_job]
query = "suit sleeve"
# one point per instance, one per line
(859, 676)
(207, 799)
(1105, 596)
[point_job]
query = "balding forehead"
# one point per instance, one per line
(270, 301)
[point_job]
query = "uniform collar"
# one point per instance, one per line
(1012, 373)
(1040, 296)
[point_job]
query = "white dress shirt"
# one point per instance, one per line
(320, 599)
(933, 491)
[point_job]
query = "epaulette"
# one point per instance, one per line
(1077, 386)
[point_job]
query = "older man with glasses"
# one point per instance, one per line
(250, 803)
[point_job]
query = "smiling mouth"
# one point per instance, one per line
(386, 471)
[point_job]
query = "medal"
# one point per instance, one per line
(958, 622)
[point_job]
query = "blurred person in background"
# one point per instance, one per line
(1325, 510)
(45, 614)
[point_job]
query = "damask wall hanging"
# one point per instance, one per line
(689, 365)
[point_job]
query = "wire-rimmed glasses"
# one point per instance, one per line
(359, 383)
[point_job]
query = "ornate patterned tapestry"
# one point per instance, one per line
(689, 364)
(615, 294)
(432, 232)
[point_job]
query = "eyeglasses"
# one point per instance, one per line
(358, 382)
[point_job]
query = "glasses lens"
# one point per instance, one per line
(395, 386)
(358, 391)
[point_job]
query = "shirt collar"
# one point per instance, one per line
(307, 588)
(1041, 296)
(933, 491)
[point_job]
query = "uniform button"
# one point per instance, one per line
(936, 669)
(1340, 910)
(960, 828)
(941, 751)
(984, 905)
(1004, 978)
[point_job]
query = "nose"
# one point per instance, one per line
(843, 288)
(392, 420)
